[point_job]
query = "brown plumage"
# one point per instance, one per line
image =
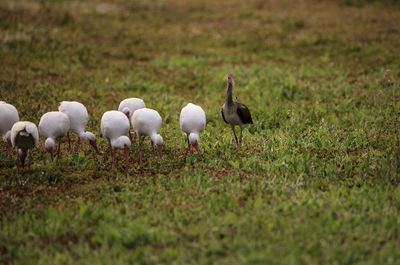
(235, 113)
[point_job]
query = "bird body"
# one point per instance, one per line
(235, 113)
(24, 137)
(8, 116)
(192, 121)
(147, 122)
(78, 117)
(114, 127)
(54, 125)
(130, 105)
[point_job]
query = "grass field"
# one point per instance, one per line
(316, 182)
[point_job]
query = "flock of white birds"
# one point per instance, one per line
(115, 126)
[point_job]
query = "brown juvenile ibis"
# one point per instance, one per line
(235, 113)
(24, 137)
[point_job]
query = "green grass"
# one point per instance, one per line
(317, 181)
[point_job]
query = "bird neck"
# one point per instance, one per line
(229, 100)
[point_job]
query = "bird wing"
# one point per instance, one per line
(223, 117)
(244, 113)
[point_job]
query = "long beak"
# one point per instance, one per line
(51, 154)
(196, 145)
(159, 147)
(234, 86)
(126, 153)
(94, 144)
(191, 149)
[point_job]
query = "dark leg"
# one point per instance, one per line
(130, 134)
(18, 162)
(241, 136)
(113, 157)
(69, 141)
(234, 133)
(29, 159)
(58, 149)
(140, 149)
(78, 145)
(187, 136)
(8, 147)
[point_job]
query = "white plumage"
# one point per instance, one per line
(192, 121)
(8, 116)
(128, 106)
(78, 117)
(54, 125)
(114, 127)
(147, 122)
(24, 137)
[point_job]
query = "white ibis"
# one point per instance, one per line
(128, 107)
(147, 122)
(114, 127)
(54, 125)
(235, 113)
(8, 116)
(78, 117)
(192, 121)
(24, 137)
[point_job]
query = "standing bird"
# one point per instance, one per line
(78, 117)
(8, 116)
(114, 127)
(54, 125)
(147, 122)
(24, 137)
(128, 107)
(235, 113)
(192, 121)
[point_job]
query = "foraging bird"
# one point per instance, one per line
(128, 107)
(192, 121)
(78, 117)
(54, 125)
(24, 137)
(8, 116)
(114, 127)
(235, 113)
(147, 122)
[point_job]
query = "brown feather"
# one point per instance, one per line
(223, 117)
(244, 113)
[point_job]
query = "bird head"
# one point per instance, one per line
(159, 142)
(49, 145)
(91, 138)
(127, 112)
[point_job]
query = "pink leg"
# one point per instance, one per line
(152, 145)
(130, 135)
(134, 137)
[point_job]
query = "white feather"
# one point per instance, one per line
(115, 126)
(147, 122)
(54, 125)
(26, 128)
(8, 116)
(131, 104)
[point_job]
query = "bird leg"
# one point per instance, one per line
(69, 141)
(18, 162)
(152, 146)
(29, 159)
(58, 149)
(234, 133)
(112, 157)
(78, 145)
(126, 153)
(140, 150)
(130, 135)
(134, 137)
(9, 147)
(241, 136)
